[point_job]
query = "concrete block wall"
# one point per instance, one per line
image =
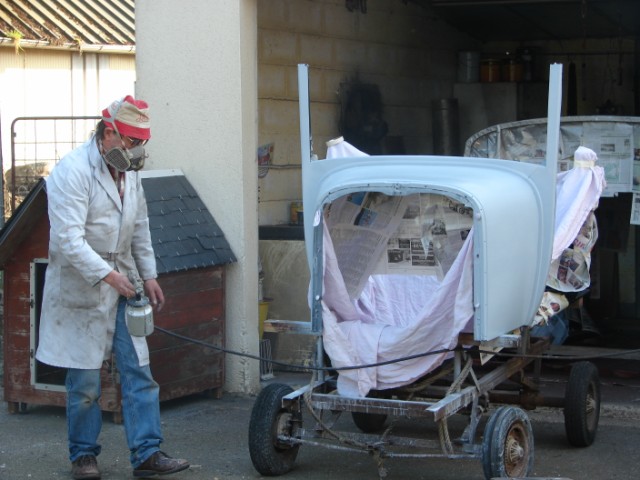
(408, 52)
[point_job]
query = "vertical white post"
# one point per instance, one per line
(305, 120)
(553, 117)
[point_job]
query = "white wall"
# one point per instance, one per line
(196, 66)
(57, 83)
(46, 82)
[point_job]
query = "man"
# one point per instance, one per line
(99, 239)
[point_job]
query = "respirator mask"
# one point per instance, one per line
(121, 158)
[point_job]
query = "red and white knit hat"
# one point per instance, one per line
(131, 117)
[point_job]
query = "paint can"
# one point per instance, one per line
(512, 70)
(490, 70)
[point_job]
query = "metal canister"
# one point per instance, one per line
(445, 126)
(468, 67)
(139, 316)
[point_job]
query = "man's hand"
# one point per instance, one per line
(154, 292)
(121, 283)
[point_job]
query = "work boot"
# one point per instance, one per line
(85, 468)
(160, 464)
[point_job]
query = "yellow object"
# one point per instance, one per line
(264, 312)
(296, 213)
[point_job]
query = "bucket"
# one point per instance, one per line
(468, 67)
(263, 309)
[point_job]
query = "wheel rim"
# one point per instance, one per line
(283, 428)
(516, 450)
(591, 407)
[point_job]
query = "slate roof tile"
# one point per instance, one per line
(183, 232)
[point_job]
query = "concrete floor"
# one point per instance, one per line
(212, 434)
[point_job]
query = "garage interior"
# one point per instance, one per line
(613, 319)
(597, 42)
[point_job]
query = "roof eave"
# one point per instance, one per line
(80, 48)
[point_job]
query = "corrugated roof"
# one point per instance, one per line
(69, 22)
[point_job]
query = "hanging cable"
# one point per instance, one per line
(395, 360)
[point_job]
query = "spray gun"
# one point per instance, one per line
(138, 314)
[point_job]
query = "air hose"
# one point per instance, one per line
(574, 358)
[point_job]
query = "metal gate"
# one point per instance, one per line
(37, 144)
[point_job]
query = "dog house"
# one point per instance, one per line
(191, 254)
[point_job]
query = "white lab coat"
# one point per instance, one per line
(88, 220)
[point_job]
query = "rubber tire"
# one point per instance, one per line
(269, 458)
(582, 404)
(369, 422)
(505, 424)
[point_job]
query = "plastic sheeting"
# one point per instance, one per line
(577, 194)
(395, 316)
(421, 315)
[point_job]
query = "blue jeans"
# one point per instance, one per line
(140, 402)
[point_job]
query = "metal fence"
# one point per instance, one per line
(37, 144)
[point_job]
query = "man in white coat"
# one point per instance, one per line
(99, 237)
